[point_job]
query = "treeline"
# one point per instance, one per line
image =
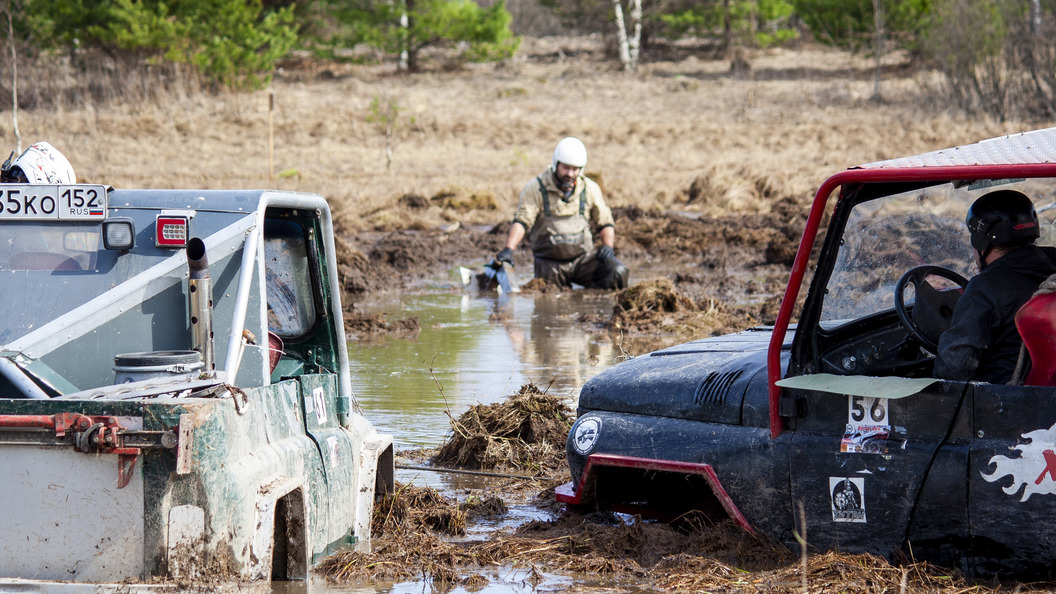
(994, 56)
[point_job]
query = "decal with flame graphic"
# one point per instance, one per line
(1034, 469)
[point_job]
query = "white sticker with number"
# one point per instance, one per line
(319, 396)
(868, 426)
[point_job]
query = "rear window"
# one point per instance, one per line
(291, 302)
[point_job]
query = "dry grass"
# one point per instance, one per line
(526, 431)
(650, 556)
(485, 130)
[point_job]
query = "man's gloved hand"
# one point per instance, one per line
(605, 253)
(505, 255)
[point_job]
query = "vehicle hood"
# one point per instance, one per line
(704, 380)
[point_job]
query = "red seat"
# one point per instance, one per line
(1036, 322)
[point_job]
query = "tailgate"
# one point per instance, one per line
(66, 514)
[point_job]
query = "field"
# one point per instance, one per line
(684, 134)
(482, 131)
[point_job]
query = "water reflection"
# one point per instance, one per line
(502, 580)
(474, 350)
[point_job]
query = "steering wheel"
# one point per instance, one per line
(932, 308)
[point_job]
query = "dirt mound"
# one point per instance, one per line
(463, 199)
(527, 431)
(646, 299)
(488, 508)
(410, 509)
(355, 270)
(364, 325)
(658, 308)
(539, 285)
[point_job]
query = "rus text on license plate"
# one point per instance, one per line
(84, 202)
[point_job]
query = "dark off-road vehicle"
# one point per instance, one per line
(839, 413)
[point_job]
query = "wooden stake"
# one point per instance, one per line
(271, 135)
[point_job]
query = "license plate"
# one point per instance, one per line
(81, 202)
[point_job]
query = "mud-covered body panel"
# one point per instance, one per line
(704, 380)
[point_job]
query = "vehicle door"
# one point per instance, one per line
(298, 313)
(869, 471)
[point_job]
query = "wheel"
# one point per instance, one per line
(932, 308)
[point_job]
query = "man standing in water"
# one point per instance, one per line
(556, 210)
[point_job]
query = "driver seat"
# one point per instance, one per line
(1036, 322)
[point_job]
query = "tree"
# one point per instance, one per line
(8, 9)
(867, 25)
(736, 22)
(410, 26)
(965, 42)
(997, 58)
(232, 42)
(629, 45)
(853, 24)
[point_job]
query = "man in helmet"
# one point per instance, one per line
(41, 163)
(556, 210)
(982, 343)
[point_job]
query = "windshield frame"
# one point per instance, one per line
(862, 182)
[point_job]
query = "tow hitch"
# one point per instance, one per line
(89, 434)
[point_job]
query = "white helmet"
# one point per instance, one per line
(570, 151)
(41, 163)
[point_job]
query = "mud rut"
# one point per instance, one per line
(735, 273)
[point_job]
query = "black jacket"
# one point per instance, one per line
(982, 343)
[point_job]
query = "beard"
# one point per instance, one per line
(566, 183)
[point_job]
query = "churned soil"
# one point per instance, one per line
(420, 534)
(724, 264)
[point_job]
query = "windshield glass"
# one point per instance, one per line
(888, 236)
(49, 268)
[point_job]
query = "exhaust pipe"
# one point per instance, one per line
(200, 302)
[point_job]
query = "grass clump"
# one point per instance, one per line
(527, 431)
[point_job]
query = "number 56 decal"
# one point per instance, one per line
(868, 426)
(868, 410)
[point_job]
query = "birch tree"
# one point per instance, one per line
(629, 45)
(8, 8)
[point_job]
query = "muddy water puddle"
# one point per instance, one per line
(473, 349)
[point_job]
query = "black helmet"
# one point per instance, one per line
(1002, 218)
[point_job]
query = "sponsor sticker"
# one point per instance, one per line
(1034, 468)
(586, 434)
(335, 450)
(868, 426)
(848, 499)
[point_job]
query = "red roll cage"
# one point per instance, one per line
(1043, 164)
